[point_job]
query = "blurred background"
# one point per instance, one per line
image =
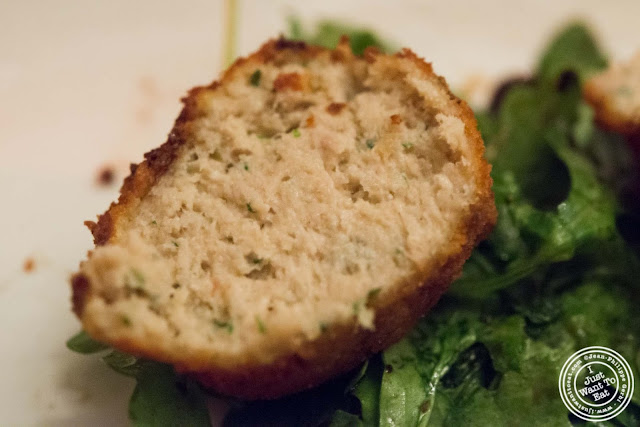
(86, 87)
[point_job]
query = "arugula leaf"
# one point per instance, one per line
(526, 397)
(406, 393)
(328, 33)
(161, 398)
(573, 48)
(584, 127)
(481, 367)
(82, 343)
(551, 204)
(123, 363)
(345, 419)
(505, 341)
(613, 160)
(530, 239)
(367, 391)
(403, 396)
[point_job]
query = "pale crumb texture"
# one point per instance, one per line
(615, 96)
(308, 190)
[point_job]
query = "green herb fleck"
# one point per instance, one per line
(373, 293)
(296, 133)
(371, 143)
(246, 166)
(137, 277)
(398, 257)
(257, 260)
(323, 327)
(154, 222)
(255, 78)
(224, 325)
(175, 244)
(215, 155)
(407, 145)
(624, 91)
(261, 327)
(356, 307)
(250, 209)
(126, 321)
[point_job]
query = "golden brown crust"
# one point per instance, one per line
(335, 108)
(312, 362)
(289, 81)
(79, 290)
(310, 122)
(606, 115)
(396, 119)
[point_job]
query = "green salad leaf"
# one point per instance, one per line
(367, 391)
(82, 343)
(403, 398)
(161, 397)
(328, 33)
(123, 363)
(345, 419)
(551, 204)
(558, 273)
(573, 48)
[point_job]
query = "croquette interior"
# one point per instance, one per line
(309, 189)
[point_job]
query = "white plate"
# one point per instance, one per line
(84, 84)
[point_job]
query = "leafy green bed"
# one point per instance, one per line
(556, 275)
